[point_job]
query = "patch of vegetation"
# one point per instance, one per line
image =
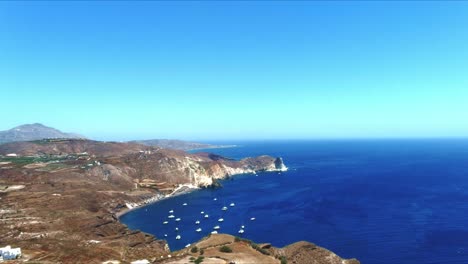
(21, 161)
(225, 249)
(202, 251)
(197, 261)
(259, 249)
(245, 240)
(194, 249)
(283, 260)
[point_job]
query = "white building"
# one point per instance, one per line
(8, 253)
(12, 155)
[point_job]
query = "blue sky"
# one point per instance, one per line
(236, 70)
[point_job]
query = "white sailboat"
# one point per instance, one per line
(232, 204)
(177, 219)
(220, 220)
(171, 216)
(206, 216)
(216, 227)
(165, 222)
(241, 231)
(198, 230)
(177, 237)
(214, 232)
(197, 222)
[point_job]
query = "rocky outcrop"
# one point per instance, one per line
(308, 253)
(246, 251)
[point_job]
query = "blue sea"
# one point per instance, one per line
(381, 201)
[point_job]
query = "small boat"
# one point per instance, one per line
(176, 229)
(165, 235)
(232, 204)
(206, 216)
(177, 219)
(197, 222)
(165, 222)
(171, 211)
(177, 237)
(188, 245)
(241, 231)
(220, 220)
(252, 219)
(242, 227)
(171, 216)
(215, 199)
(184, 204)
(198, 230)
(202, 212)
(214, 232)
(224, 208)
(216, 227)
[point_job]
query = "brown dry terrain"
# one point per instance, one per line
(59, 200)
(246, 252)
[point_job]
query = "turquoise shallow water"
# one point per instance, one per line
(381, 201)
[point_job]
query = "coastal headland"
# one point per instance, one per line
(61, 200)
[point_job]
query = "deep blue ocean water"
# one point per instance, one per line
(381, 201)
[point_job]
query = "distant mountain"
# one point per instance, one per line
(35, 131)
(177, 144)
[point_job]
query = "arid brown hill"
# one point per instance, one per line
(176, 144)
(70, 146)
(35, 131)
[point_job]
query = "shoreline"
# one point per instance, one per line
(180, 190)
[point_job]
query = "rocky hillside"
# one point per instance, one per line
(35, 131)
(245, 251)
(60, 199)
(70, 146)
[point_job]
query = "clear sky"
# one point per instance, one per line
(236, 70)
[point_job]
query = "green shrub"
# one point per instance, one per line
(197, 261)
(202, 251)
(283, 260)
(225, 249)
(259, 249)
(194, 249)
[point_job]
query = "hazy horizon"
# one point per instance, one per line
(211, 71)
